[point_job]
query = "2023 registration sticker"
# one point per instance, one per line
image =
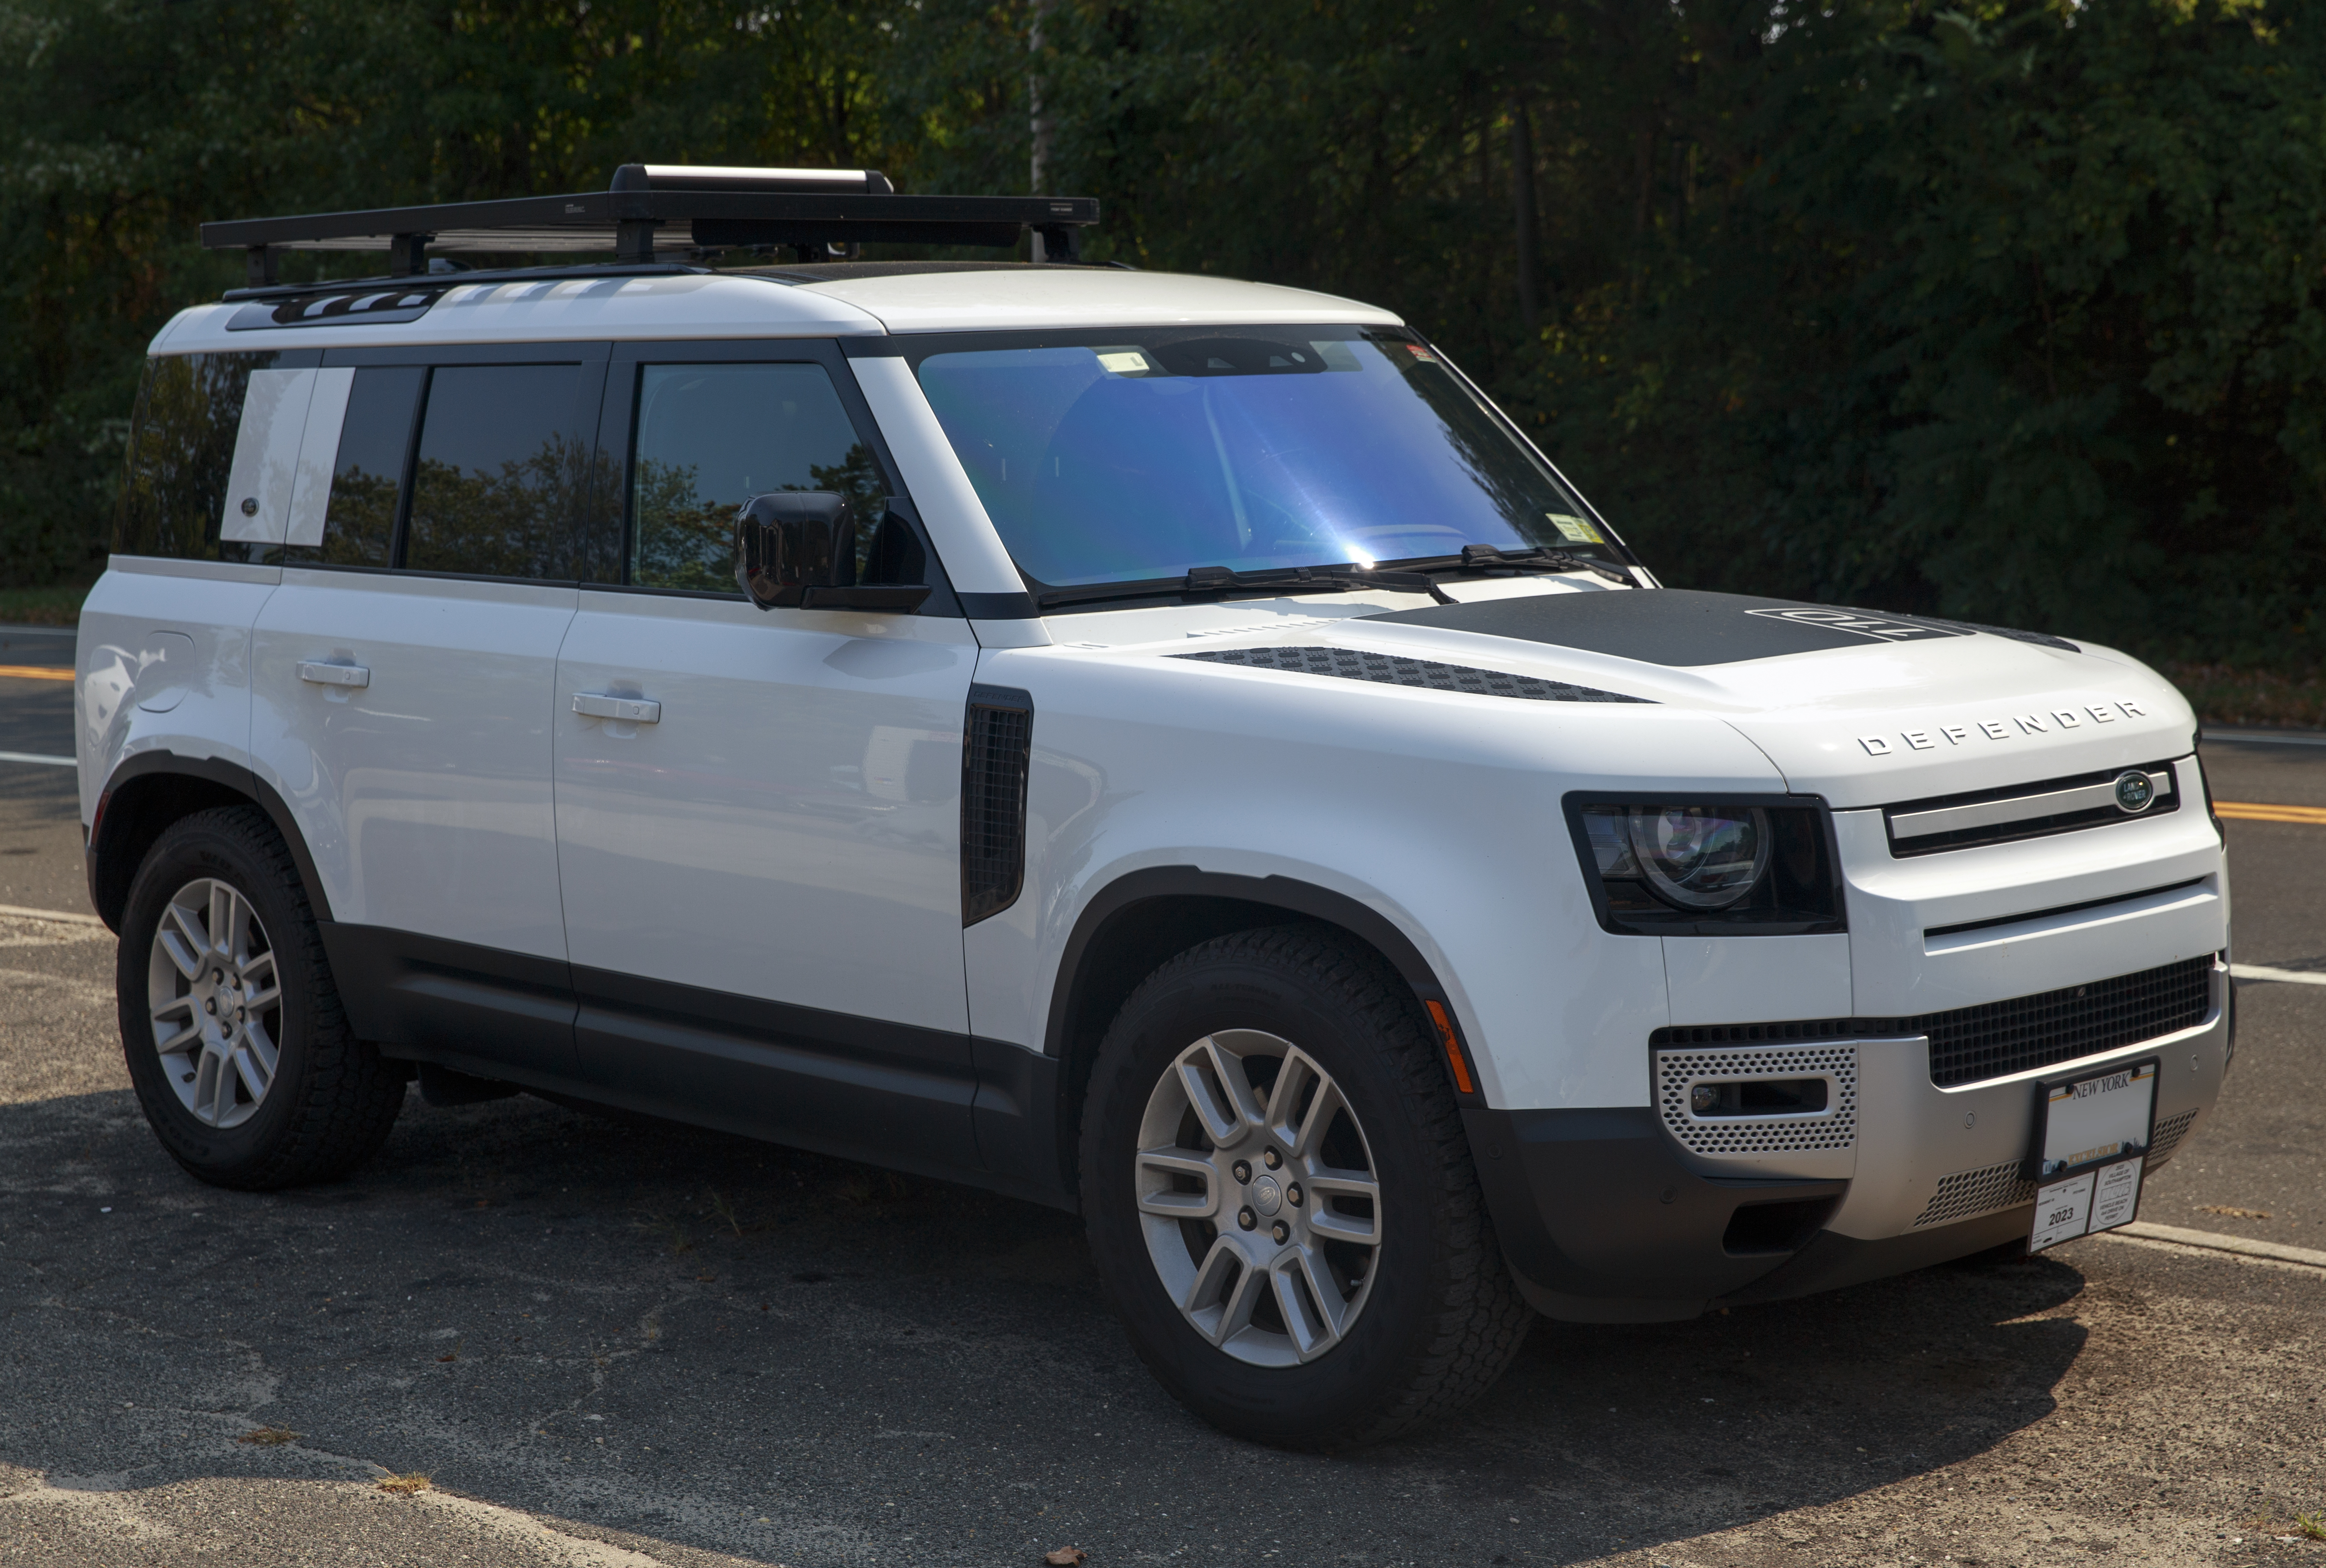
(2092, 1138)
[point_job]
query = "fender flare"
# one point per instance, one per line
(1284, 893)
(232, 777)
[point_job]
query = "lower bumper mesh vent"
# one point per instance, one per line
(1835, 1127)
(1967, 1194)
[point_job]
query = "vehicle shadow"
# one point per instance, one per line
(684, 1337)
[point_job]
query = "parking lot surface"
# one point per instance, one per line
(619, 1343)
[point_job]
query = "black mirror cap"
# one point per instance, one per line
(788, 543)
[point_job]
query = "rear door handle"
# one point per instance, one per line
(322, 673)
(635, 710)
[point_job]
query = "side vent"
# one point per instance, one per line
(996, 747)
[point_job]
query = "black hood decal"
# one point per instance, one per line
(1678, 626)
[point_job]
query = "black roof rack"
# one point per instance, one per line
(652, 209)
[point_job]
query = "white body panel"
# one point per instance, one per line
(163, 663)
(790, 827)
(424, 795)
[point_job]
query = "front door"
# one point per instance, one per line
(757, 812)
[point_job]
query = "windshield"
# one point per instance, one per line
(1153, 453)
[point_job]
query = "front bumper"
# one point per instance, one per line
(1604, 1216)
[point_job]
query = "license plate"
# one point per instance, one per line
(2089, 1149)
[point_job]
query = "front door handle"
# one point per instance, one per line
(323, 672)
(633, 710)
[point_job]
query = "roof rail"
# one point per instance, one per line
(650, 208)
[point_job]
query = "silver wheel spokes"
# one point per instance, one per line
(1259, 1198)
(216, 1002)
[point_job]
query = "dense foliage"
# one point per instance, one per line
(2008, 312)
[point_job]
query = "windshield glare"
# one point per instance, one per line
(1149, 454)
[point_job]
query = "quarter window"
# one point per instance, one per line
(181, 445)
(710, 437)
(367, 477)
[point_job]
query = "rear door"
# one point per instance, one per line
(403, 678)
(757, 812)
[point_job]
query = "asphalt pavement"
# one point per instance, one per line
(619, 1343)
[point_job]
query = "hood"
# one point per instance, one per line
(1864, 708)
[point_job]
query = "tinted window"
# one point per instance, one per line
(498, 471)
(710, 437)
(181, 450)
(368, 479)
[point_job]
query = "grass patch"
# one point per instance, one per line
(405, 1486)
(42, 606)
(269, 1436)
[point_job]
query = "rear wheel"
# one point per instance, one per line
(236, 1041)
(1280, 1198)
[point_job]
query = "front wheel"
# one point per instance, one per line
(1280, 1198)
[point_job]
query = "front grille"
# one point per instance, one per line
(1835, 1128)
(1395, 670)
(2031, 810)
(996, 752)
(1998, 1039)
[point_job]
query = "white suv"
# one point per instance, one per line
(1158, 745)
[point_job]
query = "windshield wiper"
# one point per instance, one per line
(1488, 558)
(1204, 579)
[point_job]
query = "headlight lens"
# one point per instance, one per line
(1699, 857)
(1708, 867)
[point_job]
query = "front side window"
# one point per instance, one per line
(710, 437)
(495, 480)
(1140, 455)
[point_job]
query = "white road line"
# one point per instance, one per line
(35, 757)
(2214, 1241)
(2263, 972)
(17, 912)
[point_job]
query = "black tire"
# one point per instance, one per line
(1443, 1318)
(332, 1099)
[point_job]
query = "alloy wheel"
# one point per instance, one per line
(216, 1002)
(1259, 1198)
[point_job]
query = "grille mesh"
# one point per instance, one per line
(1394, 669)
(1746, 1134)
(1968, 1193)
(995, 753)
(1998, 1039)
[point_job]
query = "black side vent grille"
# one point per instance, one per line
(996, 747)
(1394, 669)
(1998, 1039)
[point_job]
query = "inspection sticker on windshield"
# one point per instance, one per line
(1575, 530)
(2092, 1145)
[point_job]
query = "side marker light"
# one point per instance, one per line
(1460, 1068)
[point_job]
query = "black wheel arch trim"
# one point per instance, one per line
(108, 885)
(1069, 1039)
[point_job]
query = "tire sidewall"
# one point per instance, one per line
(1344, 1388)
(215, 844)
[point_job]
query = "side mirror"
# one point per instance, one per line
(788, 541)
(796, 549)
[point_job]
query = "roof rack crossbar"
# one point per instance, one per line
(651, 209)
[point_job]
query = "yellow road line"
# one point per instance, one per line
(2250, 812)
(34, 672)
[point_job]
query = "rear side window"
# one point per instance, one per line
(710, 437)
(498, 472)
(367, 475)
(182, 447)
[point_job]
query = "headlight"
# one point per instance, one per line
(1763, 866)
(1699, 857)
